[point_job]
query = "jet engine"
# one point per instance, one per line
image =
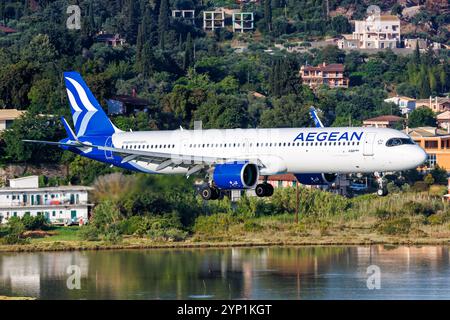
(235, 175)
(316, 178)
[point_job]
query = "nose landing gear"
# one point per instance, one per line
(382, 190)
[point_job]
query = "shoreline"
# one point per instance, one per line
(86, 246)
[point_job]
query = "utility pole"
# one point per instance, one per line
(296, 202)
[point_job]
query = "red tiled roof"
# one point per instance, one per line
(333, 67)
(7, 29)
(282, 177)
(388, 118)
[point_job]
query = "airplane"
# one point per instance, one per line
(235, 158)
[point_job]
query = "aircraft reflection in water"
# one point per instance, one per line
(254, 273)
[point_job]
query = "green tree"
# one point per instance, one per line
(31, 126)
(428, 179)
(131, 20)
(148, 61)
(188, 58)
(340, 24)
(439, 175)
(287, 112)
(416, 56)
(421, 117)
(222, 111)
(163, 22)
(268, 14)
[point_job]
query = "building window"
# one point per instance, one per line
(431, 160)
(431, 144)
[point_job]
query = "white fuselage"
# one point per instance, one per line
(293, 150)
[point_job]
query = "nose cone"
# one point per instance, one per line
(419, 156)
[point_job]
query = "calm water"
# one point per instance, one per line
(239, 273)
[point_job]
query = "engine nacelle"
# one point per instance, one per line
(316, 178)
(236, 175)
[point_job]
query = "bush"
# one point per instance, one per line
(104, 224)
(171, 234)
(392, 187)
(34, 223)
(14, 230)
(215, 223)
(90, 233)
(395, 226)
(420, 186)
(252, 226)
(383, 214)
(437, 219)
(416, 208)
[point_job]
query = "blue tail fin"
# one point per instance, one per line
(69, 130)
(88, 116)
(315, 117)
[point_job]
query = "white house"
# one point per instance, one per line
(60, 205)
(7, 117)
(405, 104)
(377, 32)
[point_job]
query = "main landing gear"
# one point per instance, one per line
(264, 189)
(382, 190)
(211, 193)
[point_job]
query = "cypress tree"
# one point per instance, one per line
(188, 52)
(424, 80)
(268, 14)
(90, 25)
(148, 58)
(163, 22)
(2, 11)
(140, 41)
(131, 25)
(416, 57)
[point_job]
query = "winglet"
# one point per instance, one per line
(70, 134)
(315, 117)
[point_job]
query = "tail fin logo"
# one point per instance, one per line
(89, 119)
(85, 102)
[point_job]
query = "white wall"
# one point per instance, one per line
(26, 182)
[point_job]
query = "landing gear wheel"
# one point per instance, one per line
(269, 190)
(207, 193)
(260, 190)
(264, 190)
(382, 191)
(211, 193)
(215, 193)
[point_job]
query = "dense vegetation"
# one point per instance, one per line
(159, 209)
(189, 75)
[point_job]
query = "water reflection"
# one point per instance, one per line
(235, 273)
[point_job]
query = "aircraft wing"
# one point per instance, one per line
(164, 160)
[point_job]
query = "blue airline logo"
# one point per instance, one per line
(329, 136)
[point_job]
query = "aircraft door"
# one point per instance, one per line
(368, 143)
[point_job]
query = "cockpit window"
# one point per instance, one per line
(398, 141)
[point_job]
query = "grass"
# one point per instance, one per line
(61, 234)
